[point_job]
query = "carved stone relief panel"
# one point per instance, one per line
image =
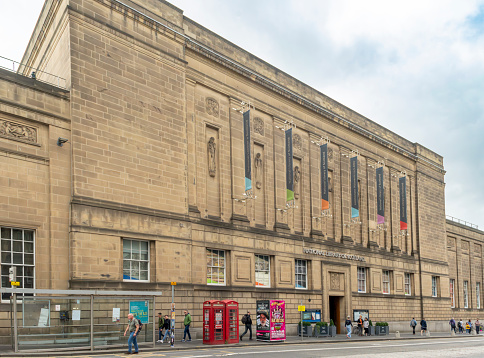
(451, 243)
(18, 131)
(258, 126)
(259, 170)
(212, 106)
(465, 246)
(297, 142)
(478, 250)
(335, 283)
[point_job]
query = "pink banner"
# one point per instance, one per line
(278, 320)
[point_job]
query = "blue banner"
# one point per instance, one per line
(355, 208)
(289, 167)
(248, 163)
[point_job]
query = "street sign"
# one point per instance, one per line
(173, 283)
(15, 283)
(301, 308)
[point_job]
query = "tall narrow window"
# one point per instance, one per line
(17, 249)
(136, 260)
(362, 279)
(408, 284)
(386, 281)
(262, 271)
(478, 295)
(452, 295)
(434, 286)
(301, 274)
(215, 267)
(466, 298)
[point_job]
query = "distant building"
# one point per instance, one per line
(148, 187)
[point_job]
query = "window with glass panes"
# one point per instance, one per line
(478, 295)
(215, 267)
(408, 284)
(386, 281)
(434, 286)
(301, 274)
(17, 249)
(466, 298)
(452, 295)
(361, 279)
(262, 271)
(136, 260)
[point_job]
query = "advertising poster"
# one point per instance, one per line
(116, 314)
(263, 320)
(278, 320)
(248, 165)
(140, 310)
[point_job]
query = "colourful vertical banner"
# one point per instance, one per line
(380, 196)
(402, 185)
(324, 177)
(289, 167)
(355, 209)
(248, 163)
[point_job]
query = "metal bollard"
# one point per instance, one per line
(397, 334)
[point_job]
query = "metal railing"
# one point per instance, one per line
(32, 72)
(462, 222)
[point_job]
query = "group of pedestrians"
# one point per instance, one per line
(363, 325)
(423, 326)
(135, 326)
(466, 327)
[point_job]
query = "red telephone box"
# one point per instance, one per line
(213, 322)
(231, 330)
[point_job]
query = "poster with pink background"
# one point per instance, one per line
(278, 320)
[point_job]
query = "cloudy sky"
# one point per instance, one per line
(415, 67)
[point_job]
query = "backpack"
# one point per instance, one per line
(244, 319)
(413, 323)
(140, 325)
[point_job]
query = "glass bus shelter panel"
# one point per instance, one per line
(48, 322)
(110, 316)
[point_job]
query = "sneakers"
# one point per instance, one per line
(183, 340)
(240, 337)
(189, 340)
(161, 341)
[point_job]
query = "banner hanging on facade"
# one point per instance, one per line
(380, 196)
(324, 177)
(355, 209)
(403, 202)
(289, 167)
(248, 164)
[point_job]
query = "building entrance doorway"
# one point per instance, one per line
(335, 313)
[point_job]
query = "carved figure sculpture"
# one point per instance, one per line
(258, 170)
(297, 179)
(211, 148)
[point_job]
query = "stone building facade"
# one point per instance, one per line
(149, 187)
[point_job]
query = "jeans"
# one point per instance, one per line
(132, 340)
(159, 333)
(413, 327)
(248, 327)
(187, 331)
(348, 329)
(167, 333)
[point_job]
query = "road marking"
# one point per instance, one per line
(322, 348)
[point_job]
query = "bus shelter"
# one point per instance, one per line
(78, 319)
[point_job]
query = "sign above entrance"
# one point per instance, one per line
(334, 254)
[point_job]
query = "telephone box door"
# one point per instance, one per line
(231, 321)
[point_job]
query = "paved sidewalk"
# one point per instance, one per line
(6, 351)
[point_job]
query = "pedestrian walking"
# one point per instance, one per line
(423, 326)
(452, 324)
(247, 321)
(413, 324)
(366, 325)
(187, 321)
(133, 329)
(460, 324)
(360, 325)
(348, 326)
(478, 326)
(166, 327)
(161, 321)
